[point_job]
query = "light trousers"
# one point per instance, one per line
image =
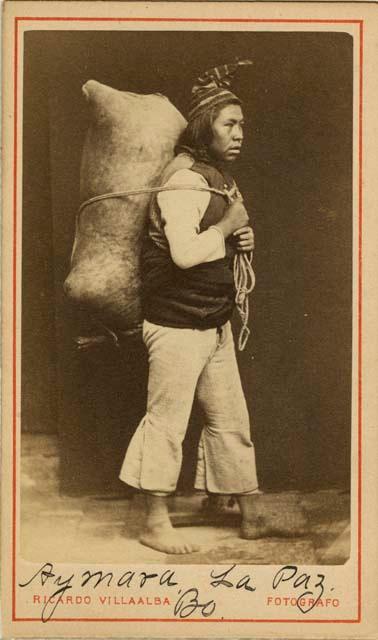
(184, 364)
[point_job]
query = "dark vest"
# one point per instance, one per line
(202, 296)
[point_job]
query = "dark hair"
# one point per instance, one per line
(197, 136)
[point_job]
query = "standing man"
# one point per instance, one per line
(189, 297)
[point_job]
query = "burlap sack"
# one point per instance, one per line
(130, 140)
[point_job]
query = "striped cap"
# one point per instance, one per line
(212, 88)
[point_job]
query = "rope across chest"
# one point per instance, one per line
(244, 278)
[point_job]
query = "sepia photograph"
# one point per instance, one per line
(263, 435)
(184, 258)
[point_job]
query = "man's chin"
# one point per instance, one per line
(230, 158)
(227, 158)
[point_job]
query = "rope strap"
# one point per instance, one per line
(136, 192)
(244, 276)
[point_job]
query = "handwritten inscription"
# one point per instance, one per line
(93, 579)
(313, 586)
(308, 588)
(223, 579)
(188, 603)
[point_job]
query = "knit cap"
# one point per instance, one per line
(212, 88)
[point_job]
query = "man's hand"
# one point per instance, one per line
(245, 239)
(235, 217)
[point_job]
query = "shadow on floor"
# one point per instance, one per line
(305, 528)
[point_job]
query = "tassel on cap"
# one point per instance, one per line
(212, 88)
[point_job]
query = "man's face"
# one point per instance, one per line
(227, 134)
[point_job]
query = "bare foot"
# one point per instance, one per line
(163, 537)
(253, 530)
(254, 524)
(272, 515)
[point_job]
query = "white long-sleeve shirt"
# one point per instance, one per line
(182, 212)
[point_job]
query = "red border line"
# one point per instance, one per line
(14, 323)
(184, 620)
(14, 326)
(359, 535)
(221, 20)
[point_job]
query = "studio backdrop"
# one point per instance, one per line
(295, 173)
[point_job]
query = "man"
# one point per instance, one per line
(189, 297)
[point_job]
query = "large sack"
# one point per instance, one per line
(130, 140)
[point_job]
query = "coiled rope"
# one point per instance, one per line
(245, 280)
(244, 277)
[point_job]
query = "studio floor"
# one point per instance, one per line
(105, 529)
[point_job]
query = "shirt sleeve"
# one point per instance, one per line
(182, 212)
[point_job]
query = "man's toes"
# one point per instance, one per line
(182, 548)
